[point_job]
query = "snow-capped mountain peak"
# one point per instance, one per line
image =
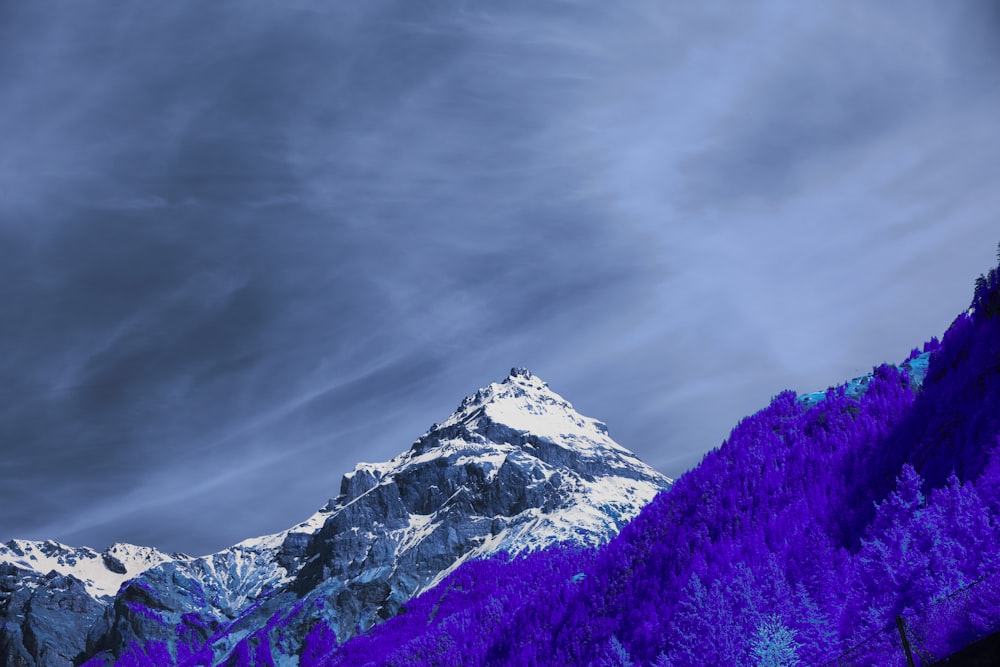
(523, 401)
(523, 405)
(515, 468)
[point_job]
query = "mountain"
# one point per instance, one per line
(515, 469)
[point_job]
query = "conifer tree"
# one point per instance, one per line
(616, 655)
(774, 644)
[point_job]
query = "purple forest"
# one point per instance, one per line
(823, 530)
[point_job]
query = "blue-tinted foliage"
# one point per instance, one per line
(774, 645)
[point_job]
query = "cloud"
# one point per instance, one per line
(248, 242)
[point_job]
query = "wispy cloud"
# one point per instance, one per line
(235, 237)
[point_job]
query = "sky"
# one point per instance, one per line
(246, 244)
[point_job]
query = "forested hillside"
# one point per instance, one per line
(812, 527)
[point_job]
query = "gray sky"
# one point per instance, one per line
(244, 245)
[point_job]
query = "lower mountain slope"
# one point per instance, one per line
(515, 470)
(799, 541)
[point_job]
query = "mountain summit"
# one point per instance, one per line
(515, 468)
(523, 404)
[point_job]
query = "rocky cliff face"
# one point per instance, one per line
(52, 594)
(514, 468)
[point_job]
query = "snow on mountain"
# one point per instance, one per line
(523, 402)
(101, 573)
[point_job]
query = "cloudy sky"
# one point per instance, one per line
(244, 245)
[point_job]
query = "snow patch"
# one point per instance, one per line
(83, 563)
